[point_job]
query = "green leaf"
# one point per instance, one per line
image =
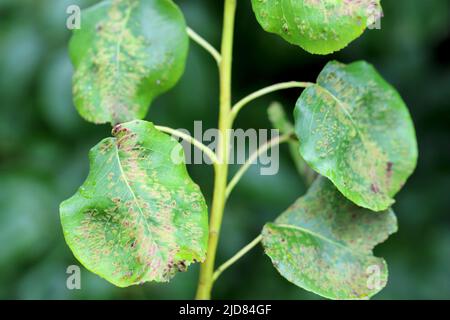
(138, 217)
(318, 26)
(323, 243)
(126, 53)
(355, 129)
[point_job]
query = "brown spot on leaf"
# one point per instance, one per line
(181, 266)
(389, 170)
(116, 129)
(374, 188)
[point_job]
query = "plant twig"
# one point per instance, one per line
(205, 282)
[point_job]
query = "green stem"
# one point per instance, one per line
(275, 87)
(236, 257)
(219, 197)
(204, 44)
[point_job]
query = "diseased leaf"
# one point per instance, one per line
(318, 26)
(355, 129)
(126, 53)
(323, 243)
(138, 217)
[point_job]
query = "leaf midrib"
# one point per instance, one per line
(135, 199)
(117, 73)
(318, 235)
(120, 40)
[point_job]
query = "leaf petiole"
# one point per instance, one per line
(236, 257)
(211, 155)
(204, 44)
(261, 92)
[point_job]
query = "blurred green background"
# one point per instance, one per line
(44, 146)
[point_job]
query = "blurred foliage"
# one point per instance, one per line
(44, 146)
